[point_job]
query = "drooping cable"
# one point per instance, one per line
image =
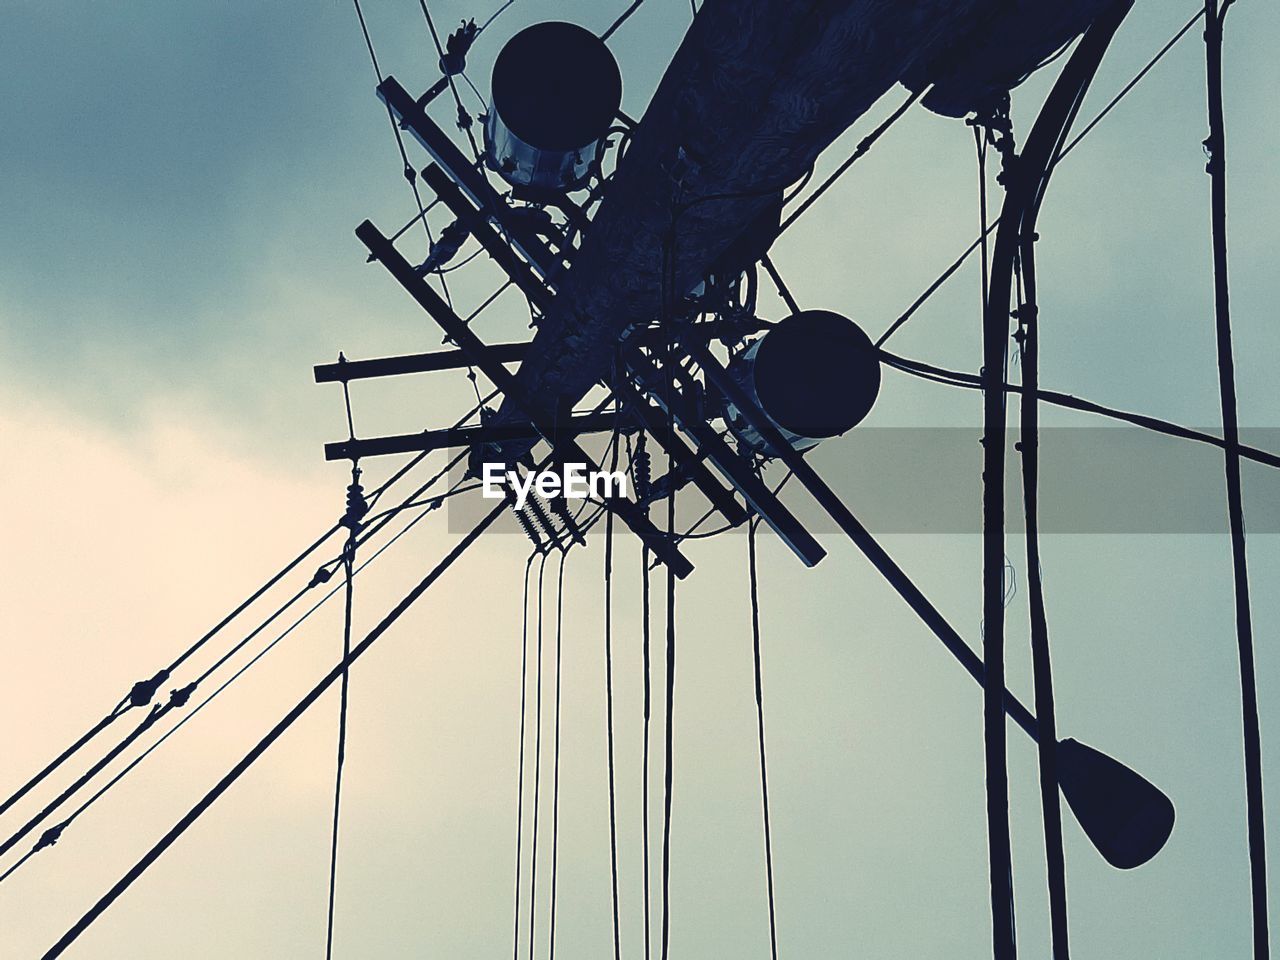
(951, 270)
(608, 701)
(54, 834)
(764, 767)
(1216, 147)
(143, 692)
(646, 668)
(357, 507)
(166, 841)
(524, 686)
(668, 762)
(555, 765)
(1041, 662)
(537, 764)
(970, 381)
(642, 479)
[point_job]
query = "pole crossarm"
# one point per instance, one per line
(412, 115)
(861, 537)
(466, 437)
(345, 371)
(739, 472)
(566, 448)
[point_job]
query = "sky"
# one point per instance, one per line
(179, 184)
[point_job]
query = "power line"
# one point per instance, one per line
(670, 679)
(764, 770)
(524, 685)
(357, 507)
(625, 15)
(555, 753)
(166, 841)
(537, 763)
(969, 381)
(959, 261)
(608, 700)
(54, 834)
(864, 146)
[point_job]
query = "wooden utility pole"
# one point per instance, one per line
(757, 89)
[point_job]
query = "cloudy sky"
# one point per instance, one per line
(179, 184)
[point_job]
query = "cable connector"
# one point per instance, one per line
(49, 837)
(322, 575)
(456, 46)
(444, 249)
(642, 468)
(179, 698)
(144, 690)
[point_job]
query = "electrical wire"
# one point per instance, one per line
(969, 381)
(864, 146)
(626, 14)
(348, 565)
(555, 753)
(764, 768)
(950, 271)
(55, 832)
(493, 16)
(524, 686)
(194, 814)
(537, 764)
(608, 693)
(1251, 733)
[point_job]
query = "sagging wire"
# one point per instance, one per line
(54, 834)
(540, 554)
(354, 521)
(180, 697)
(608, 686)
(305, 703)
(753, 578)
(951, 270)
(555, 753)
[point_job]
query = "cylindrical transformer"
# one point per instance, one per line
(556, 90)
(815, 375)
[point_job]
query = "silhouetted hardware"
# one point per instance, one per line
(556, 89)
(815, 375)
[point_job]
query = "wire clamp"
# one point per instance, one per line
(144, 690)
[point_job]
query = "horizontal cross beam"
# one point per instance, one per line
(738, 471)
(428, 440)
(566, 449)
(345, 371)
